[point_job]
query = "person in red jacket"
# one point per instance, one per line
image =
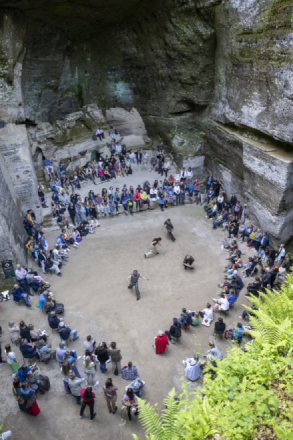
(136, 199)
(88, 398)
(161, 342)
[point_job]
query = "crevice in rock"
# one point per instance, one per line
(270, 142)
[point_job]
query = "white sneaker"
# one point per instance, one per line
(79, 357)
(240, 317)
(215, 300)
(96, 384)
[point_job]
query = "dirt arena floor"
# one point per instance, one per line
(97, 302)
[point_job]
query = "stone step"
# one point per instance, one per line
(51, 224)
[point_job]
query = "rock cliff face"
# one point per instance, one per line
(213, 78)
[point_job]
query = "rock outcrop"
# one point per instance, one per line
(212, 78)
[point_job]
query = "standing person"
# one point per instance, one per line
(168, 225)
(74, 385)
(103, 356)
(115, 357)
(71, 210)
(145, 160)
(133, 281)
(88, 398)
(110, 394)
(90, 370)
(153, 250)
(166, 167)
(11, 359)
(153, 162)
(30, 400)
(203, 192)
(64, 371)
(16, 390)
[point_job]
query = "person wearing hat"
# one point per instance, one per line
(136, 386)
(161, 342)
(192, 370)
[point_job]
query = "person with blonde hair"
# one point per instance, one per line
(64, 371)
(90, 370)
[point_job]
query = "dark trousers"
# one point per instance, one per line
(25, 285)
(201, 314)
(256, 245)
(73, 219)
(91, 405)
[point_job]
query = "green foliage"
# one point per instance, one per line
(253, 388)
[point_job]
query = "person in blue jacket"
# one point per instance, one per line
(19, 294)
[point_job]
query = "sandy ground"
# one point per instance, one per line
(97, 302)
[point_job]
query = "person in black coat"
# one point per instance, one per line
(53, 320)
(175, 330)
(220, 326)
(103, 356)
(71, 210)
(24, 331)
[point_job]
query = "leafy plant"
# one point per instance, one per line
(252, 393)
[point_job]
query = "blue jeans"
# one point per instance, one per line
(216, 223)
(131, 160)
(103, 366)
(79, 215)
(112, 208)
(125, 206)
(87, 212)
(74, 334)
(73, 184)
(25, 298)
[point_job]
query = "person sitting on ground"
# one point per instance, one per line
(192, 370)
(185, 318)
(136, 386)
(14, 332)
(161, 342)
(130, 402)
(65, 332)
(207, 312)
(194, 318)
(19, 294)
(238, 332)
(188, 262)
(214, 352)
(222, 304)
(129, 372)
(220, 326)
(28, 350)
(23, 371)
(175, 331)
(89, 344)
(53, 320)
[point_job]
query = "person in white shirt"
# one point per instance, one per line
(145, 159)
(132, 157)
(189, 175)
(183, 175)
(166, 167)
(280, 257)
(192, 370)
(177, 193)
(207, 312)
(214, 352)
(118, 148)
(177, 176)
(100, 133)
(21, 274)
(221, 304)
(153, 193)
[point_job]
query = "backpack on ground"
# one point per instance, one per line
(59, 308)
(94, 137)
